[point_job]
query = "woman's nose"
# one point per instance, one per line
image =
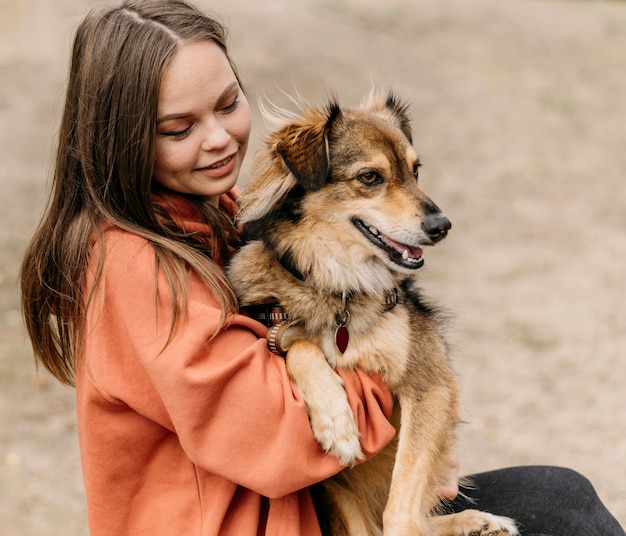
(215, 137)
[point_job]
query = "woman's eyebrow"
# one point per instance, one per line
(170, 117)
(183, 115)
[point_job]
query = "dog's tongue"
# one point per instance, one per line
(413, 251)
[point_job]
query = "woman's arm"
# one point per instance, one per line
(229, 400)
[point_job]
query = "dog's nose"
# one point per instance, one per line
(436, 226)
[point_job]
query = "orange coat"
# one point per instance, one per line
(200, 437)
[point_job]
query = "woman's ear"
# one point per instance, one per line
(304, 148)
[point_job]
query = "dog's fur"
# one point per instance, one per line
(333, 207)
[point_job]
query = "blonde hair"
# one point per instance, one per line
(103, 173)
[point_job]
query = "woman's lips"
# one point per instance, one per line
(221, 163)
(221, 168)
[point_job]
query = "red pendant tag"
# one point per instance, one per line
(342, 337)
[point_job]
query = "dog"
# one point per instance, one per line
(336, 224)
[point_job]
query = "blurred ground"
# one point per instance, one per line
(519, 116)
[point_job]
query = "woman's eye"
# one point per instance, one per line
(230, 107)
(177, 134)
(370, 178)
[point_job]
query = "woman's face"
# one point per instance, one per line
(203, 123)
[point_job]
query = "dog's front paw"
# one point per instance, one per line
(473, 523)
(331, 417)
(334, 427)
(332, 422)
(323, 392)
(484, 524)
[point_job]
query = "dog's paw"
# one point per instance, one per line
(474, 523)
(484, 524)
(322, 390)
(332, 420)
(335, 430)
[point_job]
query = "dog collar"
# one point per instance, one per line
(268, 314)
(271, 314)
(288, 265)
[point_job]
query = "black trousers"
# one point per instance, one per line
(544, 500)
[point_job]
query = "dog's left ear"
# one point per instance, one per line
(304, 148)
(390, 108)
(399, 111)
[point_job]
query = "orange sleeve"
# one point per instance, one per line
(228, 399)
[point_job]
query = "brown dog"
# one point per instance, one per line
(338, 223)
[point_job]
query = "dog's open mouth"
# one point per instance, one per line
(402, 254)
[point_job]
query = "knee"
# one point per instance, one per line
(565, 479)
(567, 474)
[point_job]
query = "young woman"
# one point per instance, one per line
(187, 423)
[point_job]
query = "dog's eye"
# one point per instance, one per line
(370, 178)
(416, 169)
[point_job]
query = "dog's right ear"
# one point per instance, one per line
(304, 148)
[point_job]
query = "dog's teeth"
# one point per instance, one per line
(373, 230)
(405, 254)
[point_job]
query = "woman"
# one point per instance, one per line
(187, 423)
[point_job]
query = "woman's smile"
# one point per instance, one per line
(220, 168)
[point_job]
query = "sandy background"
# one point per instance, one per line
(520, 117)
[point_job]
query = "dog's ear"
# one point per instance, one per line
(304, 148)
(391, 109)
(399, 110)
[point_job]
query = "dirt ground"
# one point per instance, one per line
(519, 116)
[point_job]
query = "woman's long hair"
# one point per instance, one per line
(103, 173)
